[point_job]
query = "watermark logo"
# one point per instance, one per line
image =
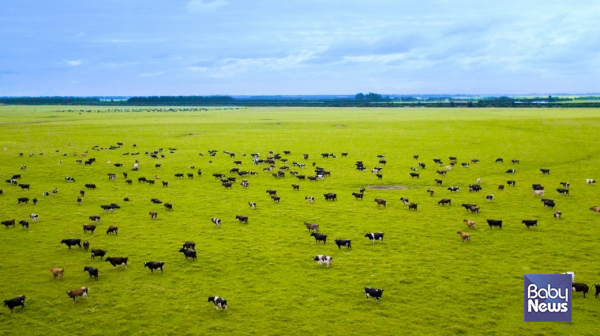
(548, 297)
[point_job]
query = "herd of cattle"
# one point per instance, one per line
(188, 248)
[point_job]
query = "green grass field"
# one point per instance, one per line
(434, 284)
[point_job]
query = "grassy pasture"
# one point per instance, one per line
(434, 284)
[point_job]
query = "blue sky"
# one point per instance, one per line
(204, 47)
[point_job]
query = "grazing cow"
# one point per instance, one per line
(530, 222)
(150, 181)
(489, 197)
(565, 184)
(580, 287)
(557, 214)
(412, 206)
(94, 218)
(8, 223)
(155, 201)
(153, 214)
(475, 188)
(218, 301)
(537, 186)
(545, 171)
(590, 181)
(117, 261)
(379, 176)
(12, 303)
(107, 208)
(383, 162)
(24, 186)
(445, 201)
(548, 203)
(438, 182)
(90, 186)
(358, 195)
(511, 183)
(271, 192)
(128, 181)
(563, 191)
(71, 242)
(468, 205)
(404, 200)
(343, 242)
(113, 229)
(319, 237)
(168, 206)
(501, 187)
(499, 160)
(45, 193)
(310, 227)
(242, 219)
(380, 201)
(34, 217)
(79, 292)
(57, 272)
(495, 222)
(23, 200)
(24, 224)
(152, 265)
(275, 198)
(118, 165)
(252, 205)
(510, 171)
(165, 183)
(595, 209)
(465, 236)
(330, 197)
(322, 259)
(189, 253)
(454, 189)
(89, 227)
(470, 224)
(189, 245)
(216, 222)
(413, 175)
(86, 245)
(441, 172)
(465, 164)
(375, 236)
(69, 179)
(190, 175)
(431, 192)
(93, 271)
(373, 292)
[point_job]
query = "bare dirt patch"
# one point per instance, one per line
(387, 187)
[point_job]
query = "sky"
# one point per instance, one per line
(298, 47)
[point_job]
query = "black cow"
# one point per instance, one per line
(93, 271)
(98, 253)
(445, 201)
(24, 224)
(168, 206)
(499, 160)
(188, 253)
(597, 291)
(565, 184)
(563, 191)
(24, 186)
(495, 222)
(107, 208)
(242, 219)
(189, 245)
(330, 197)
(530, 222)
(86, 245)
(375, 236)
(511, 183)
(545, 171)
(90, 186)
(152, 265)
(89, 227)
(117, 261)
(94, 218)
(319, 237)
(373, 292)
(580, 287)
(12, 303)
(71, 242)
(23, 200)
(8, 223)
(343, 242)
(510, 171)
(113, 229)
(413, 175)
(548, 203)
(358, 195)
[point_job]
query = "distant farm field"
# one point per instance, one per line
(433, 283)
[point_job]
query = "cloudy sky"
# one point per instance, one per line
(256, 47)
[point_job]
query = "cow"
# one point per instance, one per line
(445, 201)
(69, 179)
(93, 271)
(71, 242)
(322, 259)
(252, 205)
(23, 200)
(465, 164)
(155, 201)
(271, 192)
(89, 227)
(501, 187)
(545, 171)
(510, 171)
(94, 218)
(489, 197)
(275, 198)
(216, 222)
(590, 181)
(413, 175)
(548, 203)
(113, 229)
(12, 303)
(454, 189)
(343, 242)
(90, 186)
(470, 224)
(358, 195)
(499, 160)
(24, 224)
(595, 209)
(580, 287)
(107, 208)
(296, 186)
(218, 301)
(475, 188)
(511, 183)
(168, 206)
(152, 265)
(24, 186)
(465, 236)
(83, 291)
(330, 197)
(98, 253)
(412, 206)
(310, 227)
(380, 201)
(373, 292)
(597, 290)
(189, 253)
(8, 223)
(375, 236)
(557, 214)
(565, 184)
(86, 245)
(189, 245)
(117, 261)
(319, 237)
(495, 222)
(57, 272)
(537, 186)
(563, 191)
(530, 222)
(153, 214)
(441, 172)
(242, 219)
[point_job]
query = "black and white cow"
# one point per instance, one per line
(310, 199)
(489, 197)
(563, 191)
(152, 265)
(373, 292)
(23, 200)
(252, 205)
(242, 219)
(590, 181)
(323, 259)
(12, 303)
(375, 236)
(216, 222)
(454, 189)
(580, 287)
(218, 301)
(69, 179)
(545, 171)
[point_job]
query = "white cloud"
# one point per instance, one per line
(73, 62)
(197, 69)
(152, 74)
(202, 6)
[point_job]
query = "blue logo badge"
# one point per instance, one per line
(548, 298)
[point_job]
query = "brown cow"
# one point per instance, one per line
(57, 272)
(310, 226)
(89, 227)
(470, 224)
(380, 202)
(465, 236)
(445, 201)
(73, 294)
(153, 214)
